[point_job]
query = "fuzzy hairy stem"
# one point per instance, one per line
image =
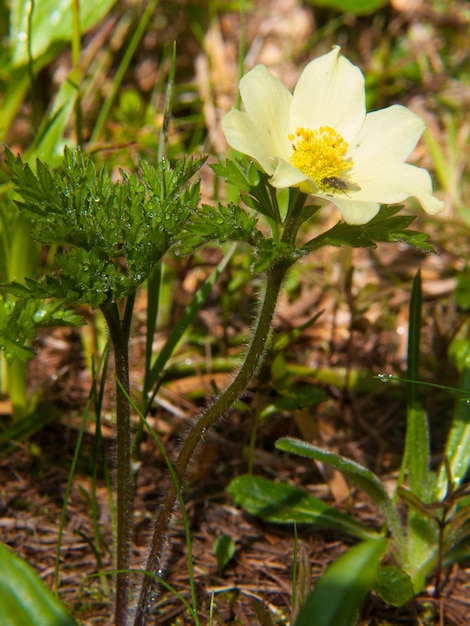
(253, 359)
(119, 331)
(222, 404)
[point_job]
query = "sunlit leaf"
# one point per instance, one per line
(280, 503)
(340, 592)
(357, 7)
(386, 226)
(110, 234)
(51, 21)
(394, 585)
(360, 475)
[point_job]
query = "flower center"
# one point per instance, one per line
(320, 155)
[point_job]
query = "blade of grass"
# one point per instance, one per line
(155, 279)
(458, 442)
(98, 449)
(421, 537)
(153, 295)
(281, 503)
(416, 456)
(73, 466)
(363, 477)
(167, 109)
(188, 316)
(126, 59)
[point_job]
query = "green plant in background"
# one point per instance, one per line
(437, 532)
(355, 7)
(35, 41)
(33, 44)
(38, 31)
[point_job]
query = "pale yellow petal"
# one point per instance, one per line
(387, 185)
(267, 101)
(399, 181)
(330, 92)
(354, 211)
(245, 135)
(286, 175)
(388, 135)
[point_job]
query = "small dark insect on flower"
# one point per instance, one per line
(339, 184)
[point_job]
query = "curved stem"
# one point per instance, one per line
(251, 364)
(120, 332)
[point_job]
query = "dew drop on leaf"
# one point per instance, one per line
(385, 378)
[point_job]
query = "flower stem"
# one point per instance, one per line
(253, 359)
(119, 331)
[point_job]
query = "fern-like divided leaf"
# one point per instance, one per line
(386, 226)
(19, 320)
(109, 234)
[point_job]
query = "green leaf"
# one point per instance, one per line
(19, 320)
(357, 7)
(267, 251)
(457, 448)
(279, 503)
(224, 549)
(24, 598)
(394, 585)
(363, 477)
(462, 291)
(340, 592)
(221, 223)
(366, 479)
(237, 173)
(386, 226)
(51, 21)
(110, 234)
(253, 183)
(417, 452)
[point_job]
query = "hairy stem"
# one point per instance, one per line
(252, 362)
(119, 331)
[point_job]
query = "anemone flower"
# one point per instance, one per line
(321, 139)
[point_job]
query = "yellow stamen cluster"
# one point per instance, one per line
(319, 154)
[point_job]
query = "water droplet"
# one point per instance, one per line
(385, 378)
